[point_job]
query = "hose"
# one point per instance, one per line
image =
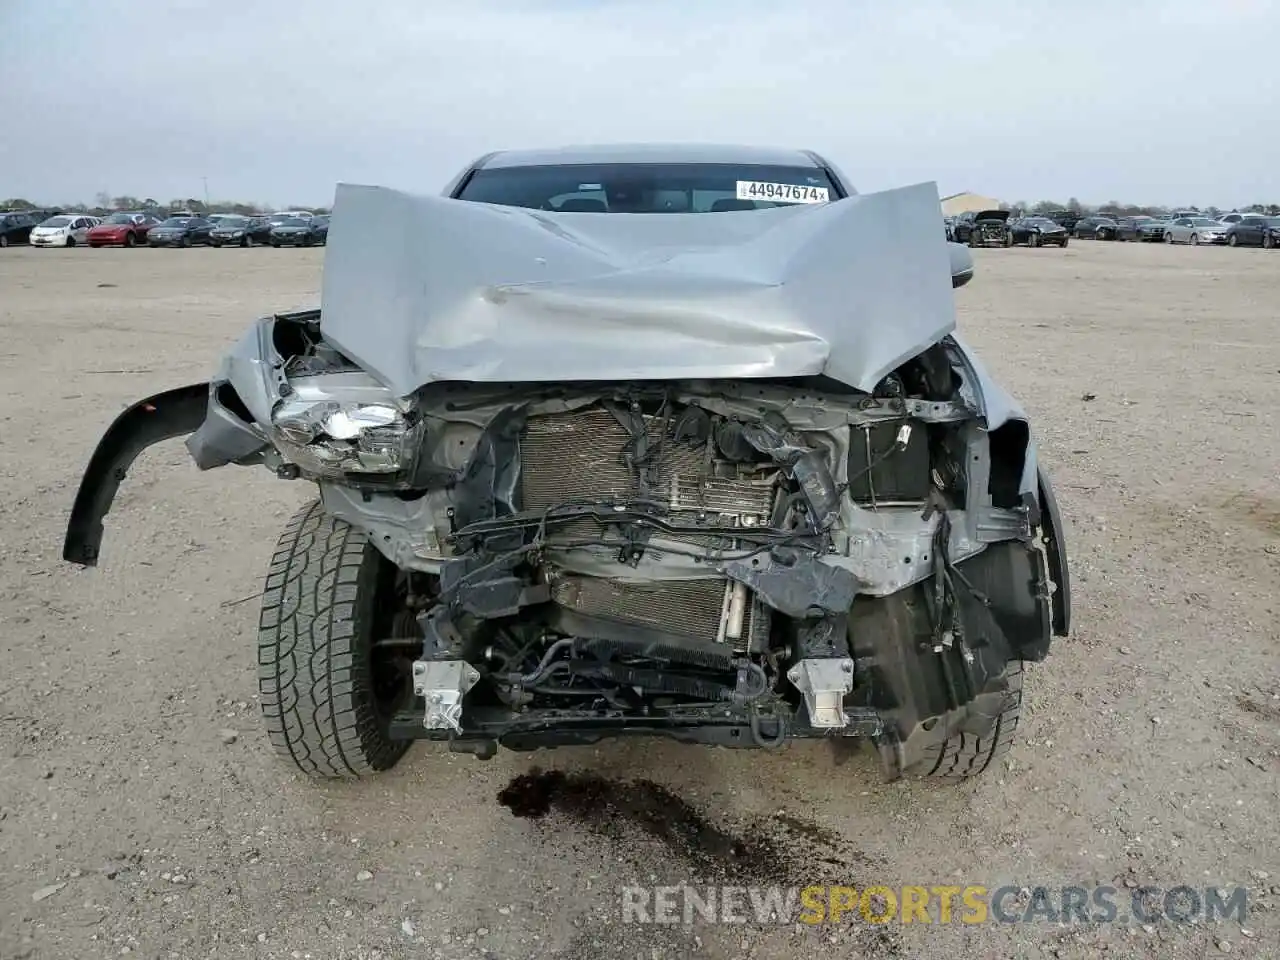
(760, 739)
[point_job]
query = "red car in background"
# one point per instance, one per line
(122, 230)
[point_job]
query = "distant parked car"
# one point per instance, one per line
(1038, 232)
(299, 232)
(234, 231)
(1094, 228)
(180, 232)
(982, 229)
(283, 215)
(1152, 231)
(122, 229)
(1064, 218)
(1130, 228)
(1254, 230)
(16, 227)
(1195, 230)
(64, 230)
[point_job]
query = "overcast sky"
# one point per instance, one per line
(1147, 101)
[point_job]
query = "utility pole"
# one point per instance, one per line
(206, 192)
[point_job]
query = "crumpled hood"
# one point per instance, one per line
(419, 289)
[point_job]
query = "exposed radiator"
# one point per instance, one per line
(581, 456)
(682, 608)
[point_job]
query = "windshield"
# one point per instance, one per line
(1040, 222)
(225, 223)
(1203, 222)
(294, 222)
(649, 187)
(1273, 221)
(57, 222)
(119, 218)
(176, 222)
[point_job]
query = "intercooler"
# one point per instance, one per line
(582, 456)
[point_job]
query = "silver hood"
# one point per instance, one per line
(420, 289)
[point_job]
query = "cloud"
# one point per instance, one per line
(1017, 99)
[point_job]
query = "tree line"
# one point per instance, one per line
(105, 203)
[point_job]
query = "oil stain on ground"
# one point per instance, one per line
(782, 849)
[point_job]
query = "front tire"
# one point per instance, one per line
(1195, 240)
(1033, 240)
(326, 704)
(1168, 238)
(964, 755)
(71, 241)
(129, 240)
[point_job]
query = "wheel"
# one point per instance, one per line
(129, 240)
(185, 241)
(247, 241)
(1267, 241)
(1008, 239)
(215, 243)
(276, 244)
(1064, 243)
(95, 246)
(327, 693)
(1195, 240)
(1232, 241)
(306, 241)
(964, 755)
(1033, 239)
(4, 240)
(71, 241)
(1168, 237)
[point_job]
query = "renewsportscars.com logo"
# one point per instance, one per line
(940, 904)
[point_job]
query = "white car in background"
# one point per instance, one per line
(64, 230)
(1195, 230)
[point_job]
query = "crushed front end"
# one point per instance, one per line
(736, 562)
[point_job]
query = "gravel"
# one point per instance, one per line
(124, 680)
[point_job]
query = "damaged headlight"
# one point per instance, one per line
(341, 423)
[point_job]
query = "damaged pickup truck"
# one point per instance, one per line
(718, 470)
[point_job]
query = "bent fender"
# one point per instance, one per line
(173, 413)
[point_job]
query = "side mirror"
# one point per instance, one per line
(961, 264)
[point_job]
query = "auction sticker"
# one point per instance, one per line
(781, 192)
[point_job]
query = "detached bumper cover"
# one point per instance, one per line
(174, 413)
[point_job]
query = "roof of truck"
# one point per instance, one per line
(651, 153)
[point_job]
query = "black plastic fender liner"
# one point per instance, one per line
(1055, 542)
(173, 413)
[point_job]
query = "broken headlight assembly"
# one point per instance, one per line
(336, 424)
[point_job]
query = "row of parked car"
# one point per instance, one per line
(288, 228)
(1000, 228)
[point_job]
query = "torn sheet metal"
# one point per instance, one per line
(419, 289)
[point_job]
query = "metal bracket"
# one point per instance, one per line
(824, 682)
(443, 683)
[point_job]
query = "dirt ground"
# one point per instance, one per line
(1149, 751)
